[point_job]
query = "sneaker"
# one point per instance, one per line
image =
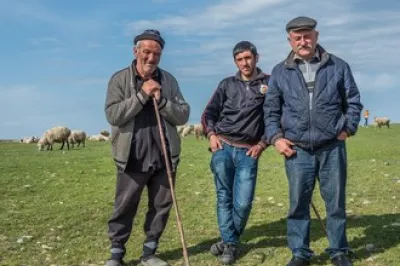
(217, 248)
(296, 261)
(229, 254)
(341, 260)
(114, 263)
(152, 261)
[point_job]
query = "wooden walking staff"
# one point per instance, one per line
(319, 218)
(171, 183)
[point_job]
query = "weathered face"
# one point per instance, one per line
(246, 63)
(148, 55)
(303, 42)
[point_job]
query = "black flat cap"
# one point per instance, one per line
(301, 23)
(244, 46)
(150, 35)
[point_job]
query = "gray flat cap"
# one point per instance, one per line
(301, 23)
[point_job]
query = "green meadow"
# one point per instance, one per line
(55, 206)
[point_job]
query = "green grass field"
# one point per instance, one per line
(55, 206)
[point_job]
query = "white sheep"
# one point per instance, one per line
(77, 137)
(99, 137)
(54, 135)
(382, 121)
(43, 142)
(179, 129)
(187, 130)
(28, 140)
(198, 131)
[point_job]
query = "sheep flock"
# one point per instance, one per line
(77, 138)
(64, 136)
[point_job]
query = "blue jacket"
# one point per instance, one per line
(335, 103)
(235, 111)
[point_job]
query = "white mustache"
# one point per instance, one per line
(303, 47)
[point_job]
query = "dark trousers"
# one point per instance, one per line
(129, 189)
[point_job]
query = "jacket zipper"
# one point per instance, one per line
(247, 84)
(312, 107)
(309, 104)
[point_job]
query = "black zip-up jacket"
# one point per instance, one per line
(235, 111)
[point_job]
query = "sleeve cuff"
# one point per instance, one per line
(143, 97)
(263, 144)
(162, 103)
(276, 137)
(210, 133)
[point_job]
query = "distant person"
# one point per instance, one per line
(312, 106)
(233, 122)
(366, 115)
(136, 145)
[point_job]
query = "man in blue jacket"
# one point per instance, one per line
(233, 122)
(312, 106)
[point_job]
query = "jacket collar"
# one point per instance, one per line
(260, 75)
(291, 63)
(133, 73)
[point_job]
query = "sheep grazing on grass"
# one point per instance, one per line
(382, 121)
(180, 129)
(54, 135)
(29, 140)
(99, 137)
(105, 133)
(198, 131)
(187, 130)
(77, 137)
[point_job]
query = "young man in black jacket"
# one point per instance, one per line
(233, 122)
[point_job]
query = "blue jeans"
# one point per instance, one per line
(330, 165)
(235, 176)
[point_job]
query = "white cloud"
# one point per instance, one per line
(219, 16)
(376, 82)
(27, 12)
(365, 39)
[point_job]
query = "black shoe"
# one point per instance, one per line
(341, 260)
(217, 248)
(296, 261)
(229, 254)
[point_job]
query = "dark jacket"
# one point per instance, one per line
(236, 109)
(124, 101)
(336, 103)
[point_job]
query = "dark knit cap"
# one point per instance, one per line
(150, 35)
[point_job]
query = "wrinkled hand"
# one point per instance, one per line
(343, 136)
(283, 146)
(215, 143)
(151, 88)
(255, 151)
